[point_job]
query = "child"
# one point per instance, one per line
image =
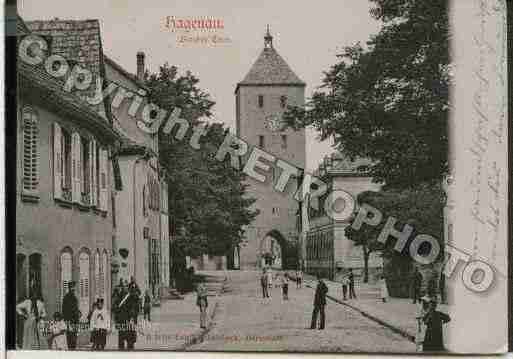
(58, 333)
(147, 305)
(285, 287)
(383, 289)
(100, 324)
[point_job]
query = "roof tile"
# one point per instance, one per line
(271, 69)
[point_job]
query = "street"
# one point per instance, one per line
(244, 321)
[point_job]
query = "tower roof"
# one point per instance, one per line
(270, 68)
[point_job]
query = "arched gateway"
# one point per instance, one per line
(272, 250)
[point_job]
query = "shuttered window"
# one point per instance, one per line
(86, 172)
(66, 274)
(84, 283)
(97, 277)
(103, 276)
(30, 150)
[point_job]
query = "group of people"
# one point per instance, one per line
(348, 285)
(280, 280)
(64, 328)
(126, 306)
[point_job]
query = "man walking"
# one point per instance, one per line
(352, 294)
(202, 303)
(299, 279)
(263, 283)
(269, 279)
(71, 315)
(319, 304)
(345, 284)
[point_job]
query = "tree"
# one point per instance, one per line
(422, 208)
(208, 203)
(388, 101)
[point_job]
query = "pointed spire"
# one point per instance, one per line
(268, 39)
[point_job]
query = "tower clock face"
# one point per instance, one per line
(273, 123)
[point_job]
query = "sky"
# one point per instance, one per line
(307, 34)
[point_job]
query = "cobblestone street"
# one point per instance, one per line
(244, 321)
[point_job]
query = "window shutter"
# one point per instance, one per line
(84, 283)
(97, 274)
(103, 179)
(57, 161)
(66, 267)
(92, 172)
(30, 140)
(94, 183)
(75, 162)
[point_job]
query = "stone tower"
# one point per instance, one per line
(261, 99)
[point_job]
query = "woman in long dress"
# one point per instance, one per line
(33, 310)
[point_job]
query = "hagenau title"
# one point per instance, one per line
(194, 23)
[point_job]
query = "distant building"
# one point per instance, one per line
(65, 174)
(324, 246)
(261, 99)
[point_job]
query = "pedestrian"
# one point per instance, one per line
(100, 325)
(285, 287)
(345, 285)
(299, 279)
(57, 340)
(92, 338)
(134, 288)
(264, 284)
(269, 275)
(319, 304)
(434, 321)
(416, 285)
(71, 315)
(32, 310)
(202, 303)
(383, 289)
(352, 294)
(147, 306)
(126, 320)
(422, 310)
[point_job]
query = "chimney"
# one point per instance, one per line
(140, 66)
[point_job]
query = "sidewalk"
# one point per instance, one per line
(175, 325)
(398, 314)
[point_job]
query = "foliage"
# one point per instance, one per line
(207, 202)
(422, 208)
(388, 101)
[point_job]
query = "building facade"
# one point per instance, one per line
(325, 248)
(261, 99)
(64, 220)
(142, 225)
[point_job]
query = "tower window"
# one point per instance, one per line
(283, 101)
(283, 141)
(261, 141)
(260, 101)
